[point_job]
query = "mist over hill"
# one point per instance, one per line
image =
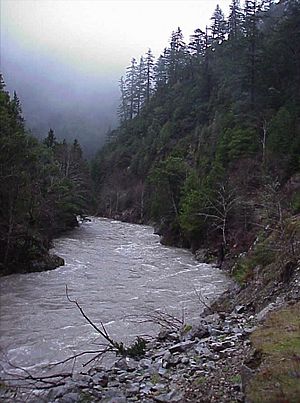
(53, 95)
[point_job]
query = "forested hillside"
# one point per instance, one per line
(43, 187)
(209, 139)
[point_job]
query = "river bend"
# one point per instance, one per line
(118, 272)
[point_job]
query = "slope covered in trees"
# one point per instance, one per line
(42, 189)
(212, 154)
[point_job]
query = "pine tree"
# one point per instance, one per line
(50, 140)
(149, 62)
(197, 45)
(123, 110)
(218, 27)
(235, 20)
(251, 11)
(176, 56)
(16, 111)
(160, 71)
(130, 88)
(141, 85)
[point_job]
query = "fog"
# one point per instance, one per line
(55, 95)
(64, 57)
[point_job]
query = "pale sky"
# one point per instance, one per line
(99, 36)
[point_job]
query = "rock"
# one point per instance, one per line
(185, 360)
(265, 311)
(114, 396)
(145, 363)
(180, 347)
(203, 351)
(202, 255)
(209, 365)
(47, 262)
(199, 332)
(240, 308)
(171, 362)
(212, 319)
(133, 390)
(101, 379)
(127, 364)
(246, 375)
(164, 335)
(171, 397)
(70, 398)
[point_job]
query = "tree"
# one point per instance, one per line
(123, 107)
(50, 140)
(235, 20)
(130, 89)
(197, 45)
(251, 12)
(149, 62)
(141, 85)
(219, 26)
(160, 71)
(176, 56)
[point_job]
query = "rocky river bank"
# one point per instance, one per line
(211, 362)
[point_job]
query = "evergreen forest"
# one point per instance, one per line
(44, 186)
(208, 147)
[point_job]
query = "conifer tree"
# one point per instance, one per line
(235, 20)
(197, 45)
(123, 110)
(176, 56)
(149, 62)
(218, 27)
(160, 71)
(251, 11)
(130, 88)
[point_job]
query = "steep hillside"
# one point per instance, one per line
(212, 156)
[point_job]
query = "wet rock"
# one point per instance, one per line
(47, 262)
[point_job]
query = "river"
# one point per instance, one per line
(118, 273)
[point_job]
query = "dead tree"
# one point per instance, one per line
(219, 209)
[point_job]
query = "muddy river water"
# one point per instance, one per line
(119, 273)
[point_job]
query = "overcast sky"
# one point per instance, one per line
(58, 51)
(99, 37)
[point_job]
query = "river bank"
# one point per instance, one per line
(235, 353)
(219, 360)
(244, 347)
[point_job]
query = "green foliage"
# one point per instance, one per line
(224, 111)
(262, 256)
(43, 187)
(281, 132)
(167, 180)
